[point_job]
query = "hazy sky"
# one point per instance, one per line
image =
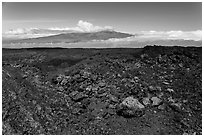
(128, 17)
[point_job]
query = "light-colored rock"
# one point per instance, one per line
(75, 95)
(160, 95)
(130, 107)
(146, 101)
(159, 88)
(170, 90)
(151, 88)
(131, 102)
(113, 98)
(165, 83)
(162, 107)
(177, 105)
(156, 101)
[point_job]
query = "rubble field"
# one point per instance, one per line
(56, 91)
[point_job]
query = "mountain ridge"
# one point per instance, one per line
(74, 37)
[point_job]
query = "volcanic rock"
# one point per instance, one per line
(130, 107)
(146, 101)
(156, 101)
(77, 96)
(80, 91)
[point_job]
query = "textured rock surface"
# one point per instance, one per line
(130, 107)
(156, 101)
(102, 91)
(133, 103)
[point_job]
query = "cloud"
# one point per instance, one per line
(28, 33)
(82, 26)
(88, 27)
(186, 35)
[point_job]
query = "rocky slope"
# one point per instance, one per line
(154, 90)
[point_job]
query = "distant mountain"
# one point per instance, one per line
(73, 37)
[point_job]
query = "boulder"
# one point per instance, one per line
(130, 107)
(156, 101)
(162, 107)
(131, 102)
(146, 101)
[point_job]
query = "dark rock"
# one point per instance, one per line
(71, 94)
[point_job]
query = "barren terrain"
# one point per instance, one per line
(150, 90)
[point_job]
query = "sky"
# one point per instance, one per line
(29, 19)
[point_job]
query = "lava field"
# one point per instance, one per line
(145, 91)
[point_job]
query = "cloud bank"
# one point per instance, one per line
(161, 35)
(186, 35)
(84, 26)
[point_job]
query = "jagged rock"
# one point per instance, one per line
(130, 107)
(89, 88)
(162, 107)
(159, 88)
(61, 88)
(86, 74)
(113, 98)
(59, 78)
(131, 102)
(94, 77)
(101, 91)
(170, 99)
(95, 88)
(102, 95)
(170, 90)
(152, 89)
(65, 80)
(77, 111)
(101, 84)
(160, 95)
(111, 106)
(146, 101)
(176, 106)
(77, 76)
(80, 98)
(76, 96)
(156, 101)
